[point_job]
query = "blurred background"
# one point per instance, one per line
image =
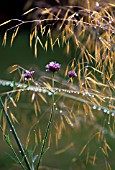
(65, 155)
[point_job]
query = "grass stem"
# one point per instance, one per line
(15, 135)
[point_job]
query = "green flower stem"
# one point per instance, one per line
(48, 127)
(44, 141)
(53, 93)
(10, 145)
(15, 136)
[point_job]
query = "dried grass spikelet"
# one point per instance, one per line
(12, 101)
(29, 11)
(108, 166)
(14, 35)
(6, 22)
(13, 118)
(42, 29)
(35, 49)
(56, 40)
(36, 41)
(58, 13)
(40, 42)
(49, 139)
(27, 139)
(66, 148)
(66, 71)
(59, 126)
(17, 96)
(83, 149)
(50, 16)
(36, 139)
(91, 115)
(87, 157)
(46, 45)
(65, 17)
(13, 68)
(94, 158)
(77, 43)
(46, 11)
(31, 38)
(37, 106)
(4, 39)
(51, 43)
(40, 136)
(4, 124)
(104, 150)
(42, 97)
(68, 120)
(107, 145)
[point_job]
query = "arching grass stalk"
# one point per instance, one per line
(48, 126)
(15, 135)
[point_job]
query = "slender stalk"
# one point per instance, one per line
(48, 127)
(53, 93)
(44, 141)
(15, 136)
(10, 145)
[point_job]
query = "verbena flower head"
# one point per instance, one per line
(28, 74)
(72, 74)
(53, 67)
(104, 57)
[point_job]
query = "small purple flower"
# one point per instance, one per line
(29, 74)
(53, 66)
(72, 74)
(104, 57)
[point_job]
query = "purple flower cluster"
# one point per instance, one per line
(53, 67)
(104, 57)
(72, 74)
(29, 74)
